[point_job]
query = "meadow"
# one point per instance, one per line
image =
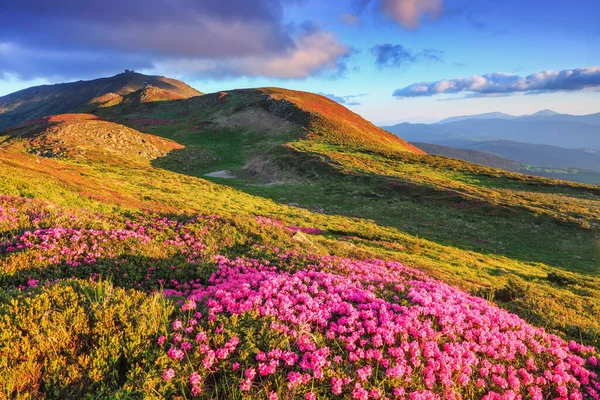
(206, 306)
(362, 271)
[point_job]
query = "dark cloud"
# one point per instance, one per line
(191, 32)
(397, 56)
(182, 28)
(499, 83)
(350, 100)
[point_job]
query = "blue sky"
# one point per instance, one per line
(388, 60)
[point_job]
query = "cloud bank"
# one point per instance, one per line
(396, 56)
(59, 38)
(500, 83)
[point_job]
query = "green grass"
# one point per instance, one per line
(481, 229)
(421, 232)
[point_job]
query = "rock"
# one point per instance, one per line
(302, 238)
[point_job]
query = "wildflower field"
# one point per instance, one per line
(340, 263)
(148, 305)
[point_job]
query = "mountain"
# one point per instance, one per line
(542, 113)
(545, 139)
(538, 160)
(590, 119)
(432, 133)
(270, 242)
(574, 135)
(535, 154)
(492, 115)
(470, 155)
(542, 155)
(40, 101)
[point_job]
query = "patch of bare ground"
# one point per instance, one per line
(224, 173)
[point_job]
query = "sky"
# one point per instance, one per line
(389, 60)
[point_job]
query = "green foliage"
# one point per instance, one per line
(529, 244)
(79, 339)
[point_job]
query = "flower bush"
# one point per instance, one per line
(212, 307)
(363, 329)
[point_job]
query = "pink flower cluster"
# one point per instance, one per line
(310, 231)
(375, 329)
(20, 211)
(77, 246)
(72, 246)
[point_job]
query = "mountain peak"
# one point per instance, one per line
(544, 113)
(41, 101)
(490, 115)
(88, 136)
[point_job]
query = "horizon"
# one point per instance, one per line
(390, 61)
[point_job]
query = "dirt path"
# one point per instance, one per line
(224, 173)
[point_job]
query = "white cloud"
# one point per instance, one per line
(504, 83)
(315, 51)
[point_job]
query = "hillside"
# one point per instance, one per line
(41, 101)
(553, 157)
(338, 261)
(256, 131)
(85, 136)
(473, 156)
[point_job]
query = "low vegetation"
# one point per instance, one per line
(334, 266)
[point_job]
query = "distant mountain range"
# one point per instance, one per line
(550, 156)
(473, 156)
(543, 139)
(543, 115)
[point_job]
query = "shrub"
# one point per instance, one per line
(77, 338)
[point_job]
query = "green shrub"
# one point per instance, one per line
(77, 338)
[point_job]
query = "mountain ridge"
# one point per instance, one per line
(593, 118)
(45, 100)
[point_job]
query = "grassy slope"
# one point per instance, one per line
(481, 229)
(571, 309)
(533, 225)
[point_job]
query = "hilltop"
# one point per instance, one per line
(46, 100)
(334, 260)
(258, 132)
(86, 136)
